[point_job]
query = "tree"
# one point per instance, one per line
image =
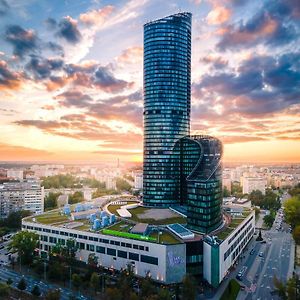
(60, 181)
(53, 295)
(236, 189)
(257, 212)
(14, 219)
(226, 193)
(295, 191)
(36, 291)
(113, 294)
(4, 290)
(76, 281)
(22, 284)
(102, 192)
(50, 201)
(92, 260)
(188, 288)
(256, 197)
(164, 294)
(76, 197)
(296, 234)
(271, 201)
(122, 185)
(95, 281)
(146, 288)
(9, 281)
(292, 211)
(269, 220)
(289, 290)
(25, 242)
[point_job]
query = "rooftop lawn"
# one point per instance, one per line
(113, 207)
(235, 222)
(164, 238)
(49, 218)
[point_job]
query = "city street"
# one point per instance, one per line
(6, 273)
(277, 259)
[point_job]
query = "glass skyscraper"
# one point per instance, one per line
(199, 184)
(167, 94)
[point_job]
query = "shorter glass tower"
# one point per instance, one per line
(200, 181)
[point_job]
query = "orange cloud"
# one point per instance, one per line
(96, 17)
(218, 15)
(12, 152)
(131, 55)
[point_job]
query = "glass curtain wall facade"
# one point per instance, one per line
(167, 94)
(199, 184)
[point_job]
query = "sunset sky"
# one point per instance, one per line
(71, 75)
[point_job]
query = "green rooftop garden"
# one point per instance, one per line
(50, 217)
(136, 212)
(235, 222)
(123, 227)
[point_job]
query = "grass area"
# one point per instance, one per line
(51, 218)
(113, 207)
(164, 238)
(224, 233)
(140, 210)
(231, 290)
(235, 222)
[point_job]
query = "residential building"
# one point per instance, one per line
(254, 183)
(15, 174)
(138, 181)
(15, 196)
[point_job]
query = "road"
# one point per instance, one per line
(6, 273)
(277, 260)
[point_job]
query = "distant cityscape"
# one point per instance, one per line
(181, 225)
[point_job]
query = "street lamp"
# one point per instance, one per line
(158, 234)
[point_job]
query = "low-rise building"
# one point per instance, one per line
(222, 251)
(62, 200)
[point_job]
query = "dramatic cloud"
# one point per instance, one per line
(271, 25)
(126, 108)
(23, 41)
(217, 61)
(74, 98)
(132, 55)
(8, 78)
(218, 15)
(104, 79)
(261, 85)
(42, 68)
(96, 17)
(4, 7)
(80, 127)
(67, 29)
(55, 48)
